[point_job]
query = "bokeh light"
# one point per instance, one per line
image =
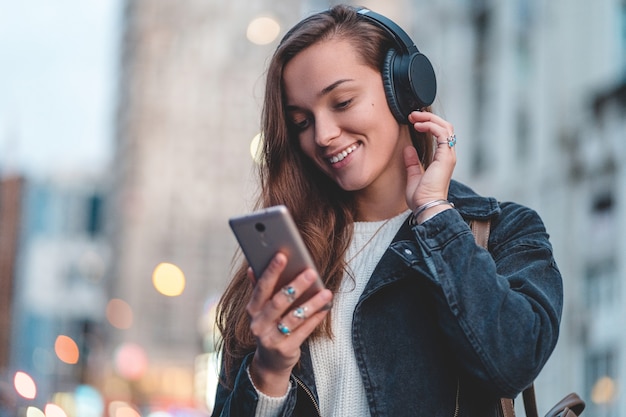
(64, 400)
(24, 385)
(122, 409)
(119, 313)
(34, 412)
(53, 410)
(66, 349)
(263, 30)
(168, 279)
(131, 361)
(88, 402)
(256, 147)
(114, 386)
(603, 391)
(160, 414)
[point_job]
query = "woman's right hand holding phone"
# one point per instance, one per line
(280, 326)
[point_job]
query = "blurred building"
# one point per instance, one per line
(537, 90)
(534, 89)
(53, 258)
(190, 90)
(599, 184)
(10, 210)
(10, 213)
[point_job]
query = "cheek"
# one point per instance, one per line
(307, 144)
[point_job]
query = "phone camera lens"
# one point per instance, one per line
(260, 227)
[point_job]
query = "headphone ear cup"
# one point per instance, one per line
(388, 84)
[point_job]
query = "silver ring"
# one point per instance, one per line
(283, 329)
(450, 141)
(290, 293)
(300, 313)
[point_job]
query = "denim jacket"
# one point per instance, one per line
(443, 327)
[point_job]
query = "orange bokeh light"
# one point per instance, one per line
(66, 349)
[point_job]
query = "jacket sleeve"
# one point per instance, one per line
(242, 399)
(500, 310)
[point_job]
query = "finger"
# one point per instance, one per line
(302, 320)
(285, 297)
(265, 319)
(428, 122)
(412, 161)
(264, 286)
(445, 150)
(449, 143)
(442, 130)
(430, 119)
(414, 168)
(438, 131)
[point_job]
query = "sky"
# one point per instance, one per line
(58, 69)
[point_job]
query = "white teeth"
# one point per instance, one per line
(341, 155)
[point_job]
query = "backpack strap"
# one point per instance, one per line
(480, 230)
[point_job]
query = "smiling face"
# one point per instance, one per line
(338, 108)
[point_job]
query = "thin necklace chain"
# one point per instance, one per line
(362, 248)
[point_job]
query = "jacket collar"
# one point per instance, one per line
(471, 205)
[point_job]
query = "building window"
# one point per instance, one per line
(522, 133)
(524, 28)
(623, 28)
(482, 25)
(94, 215)
(602, 226)
(601, 383)
(602, 285)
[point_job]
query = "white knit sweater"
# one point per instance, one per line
(337, 378)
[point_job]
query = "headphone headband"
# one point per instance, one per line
(401, 38)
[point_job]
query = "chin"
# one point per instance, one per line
(350, 187)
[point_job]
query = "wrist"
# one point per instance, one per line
(272, 384)
(429, 209)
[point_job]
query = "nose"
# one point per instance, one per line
(326, 129)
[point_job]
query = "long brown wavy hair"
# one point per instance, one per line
(323, 212)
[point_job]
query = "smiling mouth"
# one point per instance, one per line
(341, 155)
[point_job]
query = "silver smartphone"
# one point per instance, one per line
(263, 233)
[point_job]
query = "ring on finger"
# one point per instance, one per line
(290, 293)
(450, 141)
(284, 330)
(300, 312)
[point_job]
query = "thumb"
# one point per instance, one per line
(413, 166)
(414, 171)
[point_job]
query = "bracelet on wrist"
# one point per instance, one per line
(426, 206)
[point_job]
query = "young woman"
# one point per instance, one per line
(424, 322)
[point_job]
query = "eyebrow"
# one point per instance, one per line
(333, 86)
(325, 90)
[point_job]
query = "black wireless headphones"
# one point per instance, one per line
(408, 76)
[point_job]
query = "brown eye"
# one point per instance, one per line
(343, 105)
(301, 124)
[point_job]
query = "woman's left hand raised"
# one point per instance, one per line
(431, 184)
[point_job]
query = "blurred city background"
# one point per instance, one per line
(126, 129)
